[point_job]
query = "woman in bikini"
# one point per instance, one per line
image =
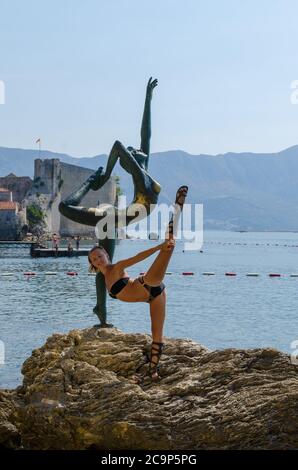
(147, 288)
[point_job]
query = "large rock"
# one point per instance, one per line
(78, 394)
(9, 434)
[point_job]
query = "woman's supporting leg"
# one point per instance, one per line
(158, 313)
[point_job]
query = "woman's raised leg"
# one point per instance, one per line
(156, 272)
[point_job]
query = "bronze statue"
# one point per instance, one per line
(146, 192)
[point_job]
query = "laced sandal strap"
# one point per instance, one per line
(170, 230)
(160, 346)
(155, 352)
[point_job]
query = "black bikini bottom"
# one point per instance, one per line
(154, 291)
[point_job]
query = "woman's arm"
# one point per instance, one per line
(167, 245)
(124, 263)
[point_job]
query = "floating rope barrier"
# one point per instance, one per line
(251, 244)
(184, 273)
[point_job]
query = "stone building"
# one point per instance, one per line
(53, 182)
(12, 216)
(19, 185)
(5, 194)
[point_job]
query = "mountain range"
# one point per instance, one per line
(239, 191)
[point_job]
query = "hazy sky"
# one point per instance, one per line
(75, 74)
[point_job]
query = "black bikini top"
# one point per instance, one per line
(118, 286)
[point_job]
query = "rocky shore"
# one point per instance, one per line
(77, 393)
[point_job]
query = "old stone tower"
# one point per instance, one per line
(54, 181)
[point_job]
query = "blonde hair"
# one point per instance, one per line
(92, 268)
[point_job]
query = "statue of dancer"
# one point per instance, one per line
(146, 192)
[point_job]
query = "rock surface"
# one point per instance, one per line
(9, 435)
(78, 394)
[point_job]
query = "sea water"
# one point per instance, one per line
(217, 311)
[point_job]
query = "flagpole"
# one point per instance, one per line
(39, 143)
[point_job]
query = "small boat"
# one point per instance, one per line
(37, 252)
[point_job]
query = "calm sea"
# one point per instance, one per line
(218, 311)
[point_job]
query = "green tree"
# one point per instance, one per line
(34, 215)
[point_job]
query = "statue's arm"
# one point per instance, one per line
(146, 121)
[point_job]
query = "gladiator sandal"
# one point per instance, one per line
(180, 199)
(181, 194)
(152, 370)
(156, 351)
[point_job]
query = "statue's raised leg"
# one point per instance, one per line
(69, 206)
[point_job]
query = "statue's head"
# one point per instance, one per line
(98, 259)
